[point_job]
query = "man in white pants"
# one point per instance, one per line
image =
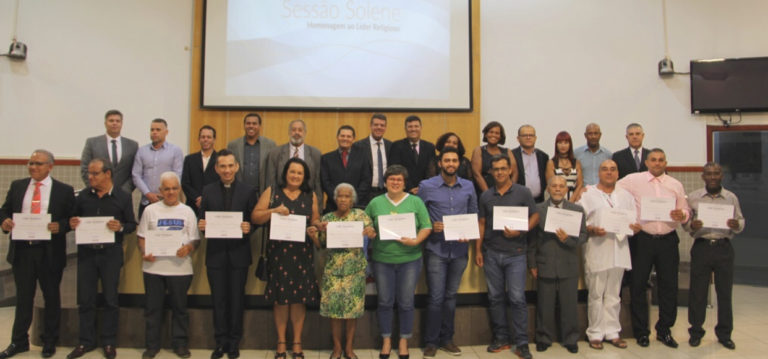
(606, 257)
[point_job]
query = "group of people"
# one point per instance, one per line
(362, 182)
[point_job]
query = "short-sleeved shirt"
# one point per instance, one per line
(494, 240)
(724, 197)
(159, 216)
(590, 162)
(395, 252)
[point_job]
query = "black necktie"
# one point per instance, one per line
(380, 169)
(114, 154)
(637, 160)
(415, 153)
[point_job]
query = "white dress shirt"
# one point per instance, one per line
(119, 143)
(375, 160)
(45, 195)
(611, 250)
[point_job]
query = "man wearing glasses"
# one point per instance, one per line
(531, 163)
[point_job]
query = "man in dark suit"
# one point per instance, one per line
(375, 147)
(413, 153)
(100, 261)
(553, 259)
(227, 259)
(120, 151)
(251, 153)
(198, 170)
(41, 260)
(297, 131)
(534, 160)
(632, 159)
(345, 165)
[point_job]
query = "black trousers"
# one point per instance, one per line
(154, 288)
(708, 258)
(94, 265)
(662, 253)
(565, 291)
(31, 265)
(228, 296)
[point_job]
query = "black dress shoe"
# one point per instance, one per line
(694, 341)
(643, 341)
(110, 352)
(79, 351)
(540, 347)
(217, 353)
(182, 351)
(233, 353)
(48, 350)
(572, 348)
(14, 349)
(667, 340)
(727, 343)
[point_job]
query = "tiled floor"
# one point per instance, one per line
(750, 336)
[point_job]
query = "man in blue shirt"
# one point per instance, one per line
(592, 154)
(152, 160)
(445, 194)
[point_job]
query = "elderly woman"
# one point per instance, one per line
(397, 263)
(343, 284)
(291, 283)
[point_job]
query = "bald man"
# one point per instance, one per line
(591, 155)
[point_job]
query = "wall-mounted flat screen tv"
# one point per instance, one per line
(729, 85)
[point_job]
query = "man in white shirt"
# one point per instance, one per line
(376, 148)
(118, 150)
(606, 257)
(297, 132)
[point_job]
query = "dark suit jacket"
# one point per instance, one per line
(357, 173)
(402, 154)
(219, 251)
(625, 161)
(541, 160)
(237, 146)
(194, 178)
(555, 259)
(364, 146)
(96, 147)
(281, 154)
(60, 206)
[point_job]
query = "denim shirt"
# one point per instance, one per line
(442, 199)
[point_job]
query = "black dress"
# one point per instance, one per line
(291, 266)
(485, 171)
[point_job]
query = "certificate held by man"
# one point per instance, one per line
(714, 215)
(461, 226)
(93, 230)
(223, 224)
(345, 234)
(31, 227)
(512, 217)
(567, 220)
(616, 220)
(656, 208)
(160, 243)
(397, 226)
(287, 228)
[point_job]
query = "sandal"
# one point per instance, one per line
(280, 355)
(618, 342)
(299, 355)
(596, 344)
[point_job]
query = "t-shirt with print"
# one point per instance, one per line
(159, 216)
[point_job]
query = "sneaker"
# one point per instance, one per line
(430, 351)
(451, 348)
(498, 345)
(523, 352)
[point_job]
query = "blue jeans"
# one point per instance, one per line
(396, 280)
(443, 279)
(507, 272)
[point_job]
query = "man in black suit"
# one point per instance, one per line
(119, 150)
(345, 165)
(413, 153)
(100, 261)
(41, 260)
(227, 259)
(632, 159)
(198, 170)
(375, 147)
(531, 163)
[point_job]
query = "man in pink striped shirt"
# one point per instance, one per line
(657, 245)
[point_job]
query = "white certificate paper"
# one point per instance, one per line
(569, 221)
(31, 227)
(161, 243)
(287, 228)
(93, 230)
(715, 215)
(396, 226)
(656, 208)
(223, 224)
(514, 217)
(345, 234)
(616, 220)
(461, 226)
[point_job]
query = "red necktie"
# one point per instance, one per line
(344, 155)
(35, 207)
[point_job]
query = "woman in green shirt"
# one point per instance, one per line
(397, 263)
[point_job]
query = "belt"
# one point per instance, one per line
(657, 236)
(713, 242)
(99, 245)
